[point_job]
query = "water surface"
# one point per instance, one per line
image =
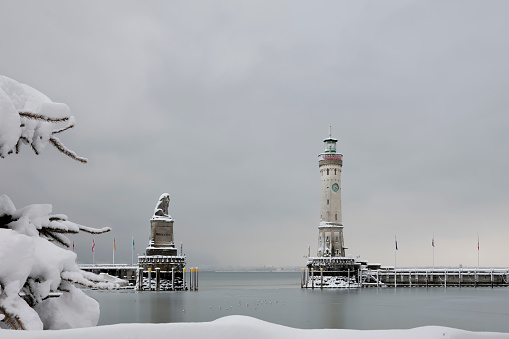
(278, 298)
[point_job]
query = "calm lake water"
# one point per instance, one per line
(278, 298)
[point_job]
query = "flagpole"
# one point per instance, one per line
(478, 251)
(433, 243)
(395, 250)
(114, 251)
(132, 251)
(93, 252)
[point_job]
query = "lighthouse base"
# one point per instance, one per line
(331, 272)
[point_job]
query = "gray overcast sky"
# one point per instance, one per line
(224, 105)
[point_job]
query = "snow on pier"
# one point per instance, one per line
(137, 277)
(356, 276)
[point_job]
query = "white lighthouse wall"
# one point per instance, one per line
(330, 241)
(331, 201)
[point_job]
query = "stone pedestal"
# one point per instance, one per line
(161, 237)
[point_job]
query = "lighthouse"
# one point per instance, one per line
(330, 229)
(331, 267)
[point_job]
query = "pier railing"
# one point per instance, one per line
(405, 277)
(443, 277)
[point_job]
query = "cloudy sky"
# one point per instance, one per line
(224, 105)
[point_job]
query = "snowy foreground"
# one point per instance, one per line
(236, 326)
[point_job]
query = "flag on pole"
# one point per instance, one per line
(93, 244)
(114, 245)
(73, 246)
(132, 250)
(396, 241)
(433, 241)
(478, 242)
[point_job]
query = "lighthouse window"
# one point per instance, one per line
(327, 171)
(335, 171)
(336, 216)
(327, 201)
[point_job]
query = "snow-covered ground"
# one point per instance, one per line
(236, 326)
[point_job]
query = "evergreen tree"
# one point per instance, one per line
(38, 272)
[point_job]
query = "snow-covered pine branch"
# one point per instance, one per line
(35, 265)
(28, 116)
(35, 116)
(94, 230)
(70, 124)
(59, 146)
(82, 279)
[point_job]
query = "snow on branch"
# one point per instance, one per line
(62, 226)
(79, 279)
(59, 146)
(93, 277)
(28, 116)
(71, 123)
(36, 116)
(62, 240)
(35, 263)
(12, 321)
(94, 230)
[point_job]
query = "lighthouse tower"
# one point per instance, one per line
(330, 230)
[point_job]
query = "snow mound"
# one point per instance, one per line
(236, 326)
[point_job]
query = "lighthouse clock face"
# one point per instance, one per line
(335, 187)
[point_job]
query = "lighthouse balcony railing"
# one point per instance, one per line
(330, 156)
(143, 259)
